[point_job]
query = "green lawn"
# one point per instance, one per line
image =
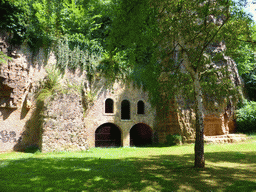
(229, 167)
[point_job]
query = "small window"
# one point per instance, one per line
(140, 107)
(125, 109)
(109, 106)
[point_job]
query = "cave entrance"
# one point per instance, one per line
(140, 135)
(108, 135)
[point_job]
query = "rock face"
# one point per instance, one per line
(178, 117)
(16, 75)
(14, 82)
(71, 119)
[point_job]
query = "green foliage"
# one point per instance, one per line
(76, 57)
(14, 20)
(32, 149)
(50, 85)
(245, 59)
(4, 58)
(244, 54)
(154, 50)
(246, 118)
(40, 23)
(173, 139)
(132, 20)
(246, 62)
(250, 84)
(114, 67)
(41, 28)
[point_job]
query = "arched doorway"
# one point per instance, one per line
(107, 135)
(140, 135)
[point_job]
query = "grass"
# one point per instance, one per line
(229, 167)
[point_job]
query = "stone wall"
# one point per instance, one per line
(11, 127)
(63, 127)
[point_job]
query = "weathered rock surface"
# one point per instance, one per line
(16, 75)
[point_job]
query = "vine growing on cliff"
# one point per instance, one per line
(76, 58)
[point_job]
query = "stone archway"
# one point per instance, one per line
(141, 135)
(108, 135)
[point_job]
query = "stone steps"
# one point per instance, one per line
(229, 138)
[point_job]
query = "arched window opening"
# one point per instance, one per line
(125, 109)
(140, 107)
(109, 106)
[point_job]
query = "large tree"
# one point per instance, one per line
(187, 40)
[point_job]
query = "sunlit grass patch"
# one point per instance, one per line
(229, 167)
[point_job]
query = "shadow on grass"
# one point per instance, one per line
(157, 173)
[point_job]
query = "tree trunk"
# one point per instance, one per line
(199, 144)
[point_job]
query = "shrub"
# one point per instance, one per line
(50, 85)
(246, 118)
(173, 139)
(32, 148)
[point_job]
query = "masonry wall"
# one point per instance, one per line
(63, 127)
(96, 116)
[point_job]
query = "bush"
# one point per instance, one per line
(173, 139)
(246, 118)
(32, 148)
(50, 84)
